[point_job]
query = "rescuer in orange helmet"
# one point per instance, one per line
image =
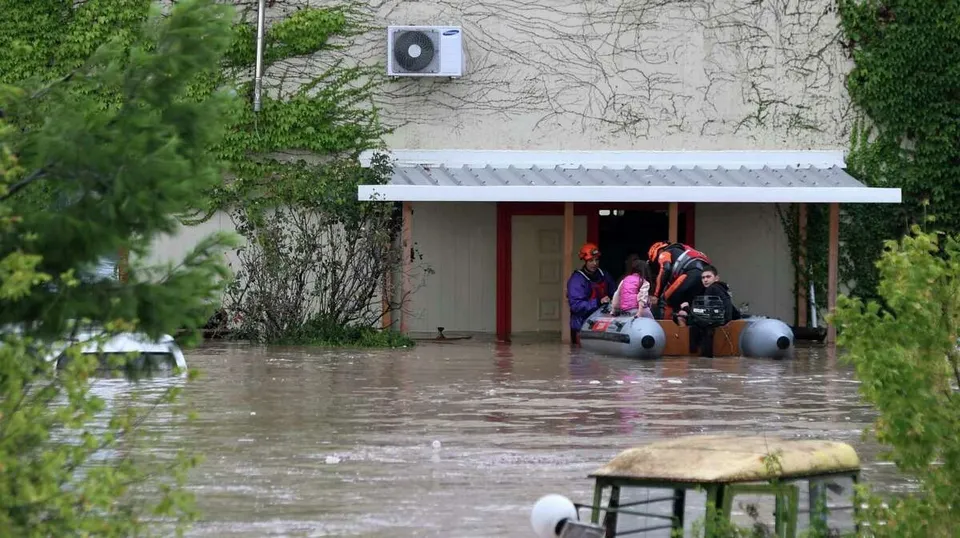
(679, 275)
(588, 288)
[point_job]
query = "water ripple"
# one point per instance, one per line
(461, 439)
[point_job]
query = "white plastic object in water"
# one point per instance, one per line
(122, 343)
(548, 512)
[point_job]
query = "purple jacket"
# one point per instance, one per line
(584, 296)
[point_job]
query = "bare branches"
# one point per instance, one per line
(23, 183)
(307, 266)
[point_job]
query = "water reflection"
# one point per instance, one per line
(308, 442)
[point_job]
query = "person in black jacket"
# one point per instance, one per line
(713, 308)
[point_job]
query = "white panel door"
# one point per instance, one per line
(537, 272)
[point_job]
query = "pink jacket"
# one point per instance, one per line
(632, 294)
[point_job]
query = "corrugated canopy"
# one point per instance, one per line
(758, 177)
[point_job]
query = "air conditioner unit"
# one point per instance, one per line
(424, 51)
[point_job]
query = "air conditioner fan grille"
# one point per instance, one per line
(413, 50)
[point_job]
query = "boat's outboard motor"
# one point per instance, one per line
(626, 336)
(766, 338)
(704, 316)
(707, 311)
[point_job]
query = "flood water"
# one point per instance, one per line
(460, 439)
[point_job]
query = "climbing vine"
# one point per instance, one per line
(904, 81)
(50, 38)
(904, 84)
(812, 252)
(307, 113)
(317, 261)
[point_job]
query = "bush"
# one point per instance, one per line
(905, 351)
(319, 332)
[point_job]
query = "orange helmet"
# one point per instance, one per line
(655, 249)
(589, 251)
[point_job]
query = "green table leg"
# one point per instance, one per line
(817, 494)
(787, 507)
(597, 498)
(679, 504)
(611, 517)
(716, 509)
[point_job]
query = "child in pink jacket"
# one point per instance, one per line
(633, 294)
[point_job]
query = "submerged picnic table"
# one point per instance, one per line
(724, 466)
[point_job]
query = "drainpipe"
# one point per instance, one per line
(258, 77)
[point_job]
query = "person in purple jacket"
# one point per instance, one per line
(588, 288)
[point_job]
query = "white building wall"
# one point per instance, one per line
(750, 249)
(620, 74)
(458, 241)
(172, 248)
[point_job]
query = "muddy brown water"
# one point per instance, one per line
(460, 439)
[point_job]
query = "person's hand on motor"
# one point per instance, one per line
(653, 300)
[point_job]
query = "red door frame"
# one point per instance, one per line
(505, 213)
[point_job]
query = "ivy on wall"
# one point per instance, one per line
(47, 39)
(813, 251)
(906, 84)
(325, 114)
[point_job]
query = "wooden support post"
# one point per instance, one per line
(504, 271)
(833, 263)
(386, 300)
(123, 263)
(802, 283)
(673, 215)
(567, 262)
(406, 244)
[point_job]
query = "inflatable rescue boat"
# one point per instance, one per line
(766, 338)
(626, 336)
(645, 338)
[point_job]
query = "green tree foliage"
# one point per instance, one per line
(118, 174)
(299, 154)
(908, 363)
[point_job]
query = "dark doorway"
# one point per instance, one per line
(624, 232)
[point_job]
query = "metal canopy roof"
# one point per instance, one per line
(686, 181)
